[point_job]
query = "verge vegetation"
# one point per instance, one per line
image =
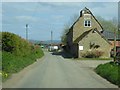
(17, 53)
(92, 54)
(109, 71)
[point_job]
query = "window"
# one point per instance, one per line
(80, 47)
(87, 23)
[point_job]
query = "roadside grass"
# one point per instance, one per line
(93, 58)
(12, 63)
(0, 60)
(109, 71)
(0, 65)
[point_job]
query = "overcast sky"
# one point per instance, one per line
(42, 17)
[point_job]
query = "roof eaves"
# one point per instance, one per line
(103, 36)
(82, 36)
(95, 19)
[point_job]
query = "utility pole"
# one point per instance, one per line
(115, 45)
(51, 37)
(26, 31)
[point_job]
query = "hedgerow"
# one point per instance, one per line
(17, 53)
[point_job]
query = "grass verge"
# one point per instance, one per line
(109, 71)
(14, 63)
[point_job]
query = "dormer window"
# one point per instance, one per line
(87, 23)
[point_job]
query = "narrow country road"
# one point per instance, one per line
(54, 71)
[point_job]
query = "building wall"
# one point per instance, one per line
(72, 47)
(74, 50)
(79, 28)
(70, 37)
(98, 40)
(70, 41)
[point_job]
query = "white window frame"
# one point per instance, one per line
(86, 23)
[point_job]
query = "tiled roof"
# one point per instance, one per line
(82, 36)
(87, 32)
(110, 35)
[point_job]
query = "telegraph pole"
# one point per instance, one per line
(26, 31)
(115, 45)
(51, 37)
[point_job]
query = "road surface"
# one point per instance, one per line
(54, 71)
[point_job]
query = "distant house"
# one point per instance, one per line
(87, 31)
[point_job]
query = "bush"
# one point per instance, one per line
(17, 53)
(10, 41)
(110, 72)
(92, 54)
(15, 44)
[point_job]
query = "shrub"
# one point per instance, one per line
(10, 41)
(17, 53)
(98, 53)
(15, 44)
(92, 54)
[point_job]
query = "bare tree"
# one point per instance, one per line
(109, 25)
(67, 26)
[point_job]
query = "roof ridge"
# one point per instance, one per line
(102, 36)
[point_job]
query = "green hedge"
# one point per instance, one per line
(109, 71)
(17, 53)
(15, 44)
